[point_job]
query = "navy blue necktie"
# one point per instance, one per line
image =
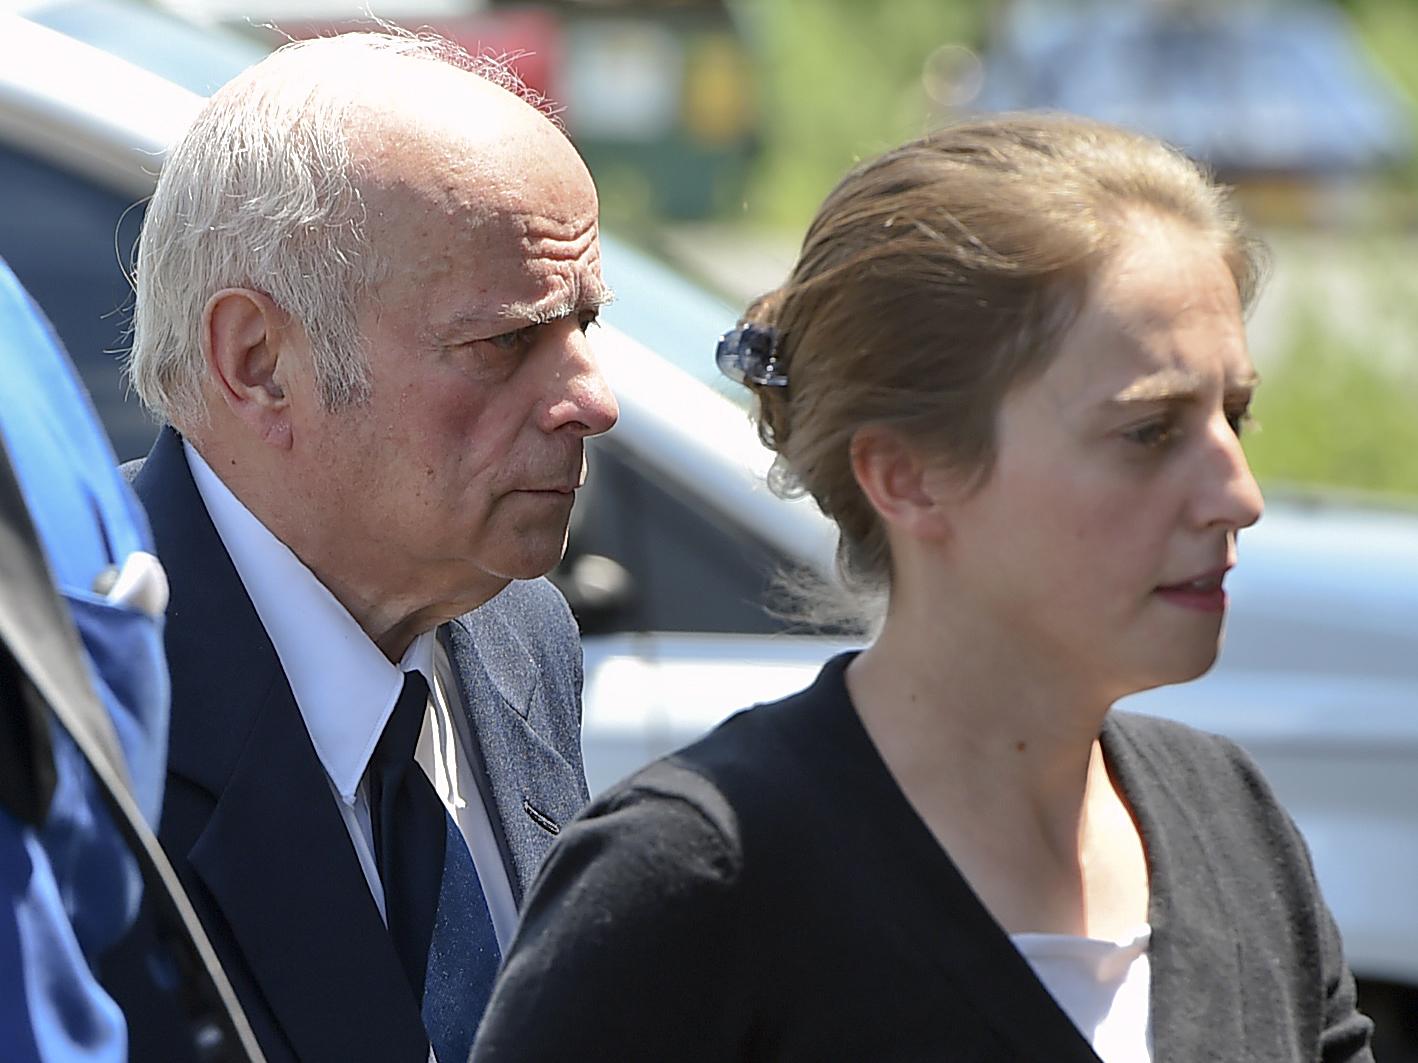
(434, 904)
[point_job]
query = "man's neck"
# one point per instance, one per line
(390, 605)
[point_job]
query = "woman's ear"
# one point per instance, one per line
(910, 491)
(246, 340)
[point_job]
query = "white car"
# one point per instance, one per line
(675, 539)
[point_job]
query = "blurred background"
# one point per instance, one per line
(714, 127)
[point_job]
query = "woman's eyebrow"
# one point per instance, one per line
(1177, 385)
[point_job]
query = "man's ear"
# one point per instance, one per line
(246, 341)
(909, 492)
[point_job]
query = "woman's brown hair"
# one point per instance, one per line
(941, 275)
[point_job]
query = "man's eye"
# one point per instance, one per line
(1153, 434)
(509, 341)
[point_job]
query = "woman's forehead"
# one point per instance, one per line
(1161, 319)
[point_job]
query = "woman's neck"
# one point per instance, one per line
(1003, 763)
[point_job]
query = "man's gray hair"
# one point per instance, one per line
(261, 192)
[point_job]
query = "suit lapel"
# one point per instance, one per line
(529, 788)
(277, 860)
(274, 853)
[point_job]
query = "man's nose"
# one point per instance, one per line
(581, 398)
(1232, 497)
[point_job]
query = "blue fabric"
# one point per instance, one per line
(87, 519)
(72, 888)
(50, 1006)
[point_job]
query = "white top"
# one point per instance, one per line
(346, 689)
(1102, 986)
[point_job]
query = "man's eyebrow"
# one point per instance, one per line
(525, 315)
(540, 313)
(1177, 385)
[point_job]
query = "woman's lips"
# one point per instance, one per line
(1204, 594)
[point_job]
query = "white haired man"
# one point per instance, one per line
(363, 286)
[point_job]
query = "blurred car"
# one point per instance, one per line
(1263, 88)
(676, 541)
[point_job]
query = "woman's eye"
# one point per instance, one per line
(1241, 420)
(589, 318)
(1152, 434)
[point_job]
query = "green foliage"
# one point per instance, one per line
(841, 81)
(1335, 414)
(1389, 31)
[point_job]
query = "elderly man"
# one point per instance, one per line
(364, 284)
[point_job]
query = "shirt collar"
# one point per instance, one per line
(344, 686)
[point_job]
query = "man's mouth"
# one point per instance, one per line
(567, 485)
(561, 487)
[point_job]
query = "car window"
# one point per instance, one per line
(64, 236)
(647, 540)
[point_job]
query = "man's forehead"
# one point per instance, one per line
(439, 112)
(492, 201)
(525, 187)
(508, 228)
(443, 193)
(537, 292)
(490, 277)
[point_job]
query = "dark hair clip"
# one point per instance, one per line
(749, 354)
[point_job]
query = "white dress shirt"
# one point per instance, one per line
(346, 689)
(1103, 986)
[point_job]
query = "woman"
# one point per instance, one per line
(1010, 364)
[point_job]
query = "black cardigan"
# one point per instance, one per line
(769, 894)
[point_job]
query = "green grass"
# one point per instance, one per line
(1334, 415)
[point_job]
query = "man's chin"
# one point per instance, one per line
(531, 562)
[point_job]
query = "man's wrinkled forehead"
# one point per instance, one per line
(473, 219)
(534, 254)
(540, 271)
(453, 171)
(580, 291)
(490, 171)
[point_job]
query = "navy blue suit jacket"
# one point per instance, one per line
(251, 824)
